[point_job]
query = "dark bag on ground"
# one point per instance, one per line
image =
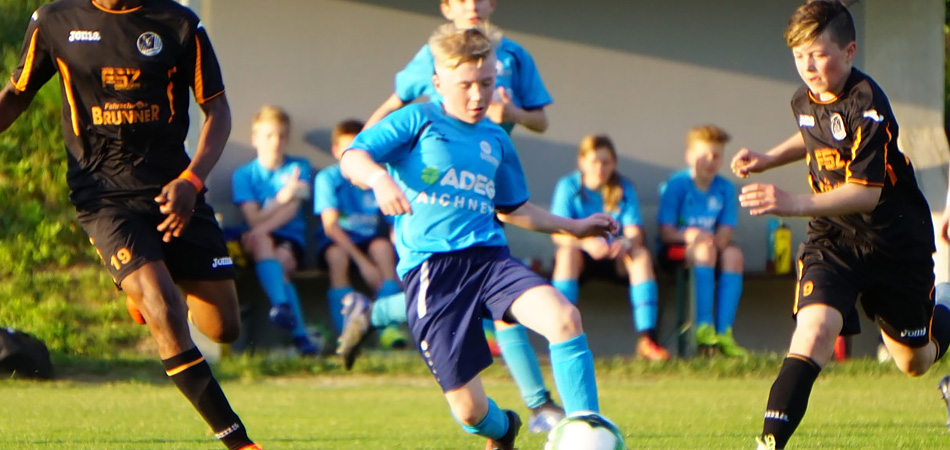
(23, 356)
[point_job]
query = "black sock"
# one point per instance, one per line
(191, 373)
(788, 398)
(940, 329)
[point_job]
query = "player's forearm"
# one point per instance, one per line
(790, 150)
(214, 134)
(533, 119)
(342, 240)
(531, 217)
(670, 235)
(389, 105)
(358, 166)
(848, 198)
(277, 217)
(12, 104)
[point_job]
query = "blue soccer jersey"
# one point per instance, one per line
(572, 199)
(252, 182)
(455, 175)
(360, 217)
(516, 72)
(683, 205)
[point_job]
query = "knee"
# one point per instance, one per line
(703, 253)
(380, 246)
(917, 364)
(732, 260)
(468, 411)
(337, 259)
(226, 332)
(569, 326)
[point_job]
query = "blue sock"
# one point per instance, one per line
(389, 310)
(389, 287)
(271, 276)
(294, 300)
(573, 366)
(493, 426)
(523, 364)
(643, 297)
(704, 289)
(335, 303)
(730, 290)
(568, 288)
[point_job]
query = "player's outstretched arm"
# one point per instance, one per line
(532, 217)
(359, 167)
(177, 198)
(12, 104)
(848, 198)
(390, 105)
(746, 161)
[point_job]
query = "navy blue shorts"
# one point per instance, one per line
(449, 294)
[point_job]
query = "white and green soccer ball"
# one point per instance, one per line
(585, 430)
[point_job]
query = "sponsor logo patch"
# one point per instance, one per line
(873, 115)
(221, 262)
(84, 36)
(805, 120)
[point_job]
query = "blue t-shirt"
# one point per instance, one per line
(516, 72)
(455, 175)
(360, 217)
(683, 205)
(252, 182)
(572, 199)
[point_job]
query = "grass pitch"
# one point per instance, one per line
(856, 405)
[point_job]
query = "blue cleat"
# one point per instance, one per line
(282, 316)
(545, 417)
(305, 346)
(356, 327)
(944, 388)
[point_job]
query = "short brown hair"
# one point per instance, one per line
(707, 133)
(348, 127)
(815, 17)
(451, 47)
(270, 113)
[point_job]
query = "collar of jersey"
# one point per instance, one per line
(115, 11)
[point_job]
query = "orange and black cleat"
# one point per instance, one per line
(252, 447)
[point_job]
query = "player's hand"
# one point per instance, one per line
(391, 199)
(177, 201)
(693, 235)
(596, 225)
(763, 198)
(746, 161)
(943, 228)
(295, 188)
(499, 111)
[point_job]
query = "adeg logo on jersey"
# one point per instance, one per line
(149, 43)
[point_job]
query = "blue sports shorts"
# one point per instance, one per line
(449, 294)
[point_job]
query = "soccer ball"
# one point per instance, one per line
(585, 430)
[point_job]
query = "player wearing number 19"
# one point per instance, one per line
(125, 68)
(452, 171)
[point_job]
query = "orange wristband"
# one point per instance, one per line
(193, 179)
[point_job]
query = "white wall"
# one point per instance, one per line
(642, 72)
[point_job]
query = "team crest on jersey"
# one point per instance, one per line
(486, 153)
(713, 204)
(149, 43)
(837, 127)
(805, 120)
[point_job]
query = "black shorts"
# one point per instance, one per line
(605, 269)
(363, 246)
(295, 247)
(897, 294)
(126, 239)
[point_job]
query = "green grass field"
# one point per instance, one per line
(857, 405)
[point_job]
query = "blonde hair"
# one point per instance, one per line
(271, 114)
(815, 17)
(451, 47)
(707, 133)
(612, 190)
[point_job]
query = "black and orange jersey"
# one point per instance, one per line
(125, 77)
(853, 139)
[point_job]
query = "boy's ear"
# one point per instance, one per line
(436, 82)
(851, 50)
(446, 10)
